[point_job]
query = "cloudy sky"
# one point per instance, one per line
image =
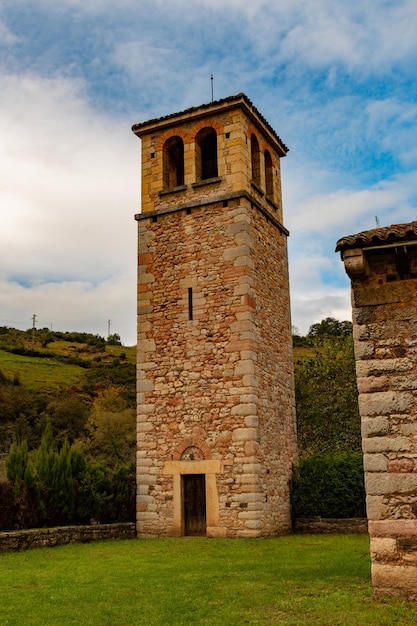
(335, 79)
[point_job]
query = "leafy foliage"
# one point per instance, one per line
(57, 377)
(111, 429)
(326, 398)
(329, 486)
(330, 327)
(16, 464)
(61, 487)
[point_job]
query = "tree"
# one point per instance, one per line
(16, 464)
(111, 429)
(68, 415)
(328, 418)
(114, 340)
(330, 327)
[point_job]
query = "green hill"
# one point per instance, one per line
(42, 360)
(64, 377)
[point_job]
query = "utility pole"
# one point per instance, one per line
(108, 328)
(34, 316)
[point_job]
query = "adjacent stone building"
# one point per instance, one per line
(382, 265)
(215, 392)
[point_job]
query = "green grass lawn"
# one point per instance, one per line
(300, 579)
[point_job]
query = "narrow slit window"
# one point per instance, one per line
(190, 303)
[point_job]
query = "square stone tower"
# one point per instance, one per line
(382, 266)
(215, 392)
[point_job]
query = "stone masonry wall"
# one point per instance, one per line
(233, 129)
(274, 370)
(215, 384)
(217, 381)
(385, 333)
(59, 536)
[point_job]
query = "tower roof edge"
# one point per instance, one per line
(239, 100)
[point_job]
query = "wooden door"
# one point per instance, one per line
(194, 490)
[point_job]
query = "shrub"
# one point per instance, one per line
(17, 461)
(329, 486)
(63, 488)
(326, 396)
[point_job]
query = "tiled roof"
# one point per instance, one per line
(208, 105)
(379, 236)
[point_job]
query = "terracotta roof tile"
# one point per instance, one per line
(379, 236)
(229, 99)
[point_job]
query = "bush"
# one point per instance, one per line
(326, 395)
(329, 486)
(62, 488)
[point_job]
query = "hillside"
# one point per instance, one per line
(73, 379)
(86, 387)
(44, 361)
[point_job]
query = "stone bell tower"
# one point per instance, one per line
(215, 392)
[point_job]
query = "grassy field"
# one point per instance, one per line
(298, 580)
(42, 374)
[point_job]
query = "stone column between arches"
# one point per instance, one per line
(210, 468)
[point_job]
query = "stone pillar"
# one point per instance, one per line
(382, 265)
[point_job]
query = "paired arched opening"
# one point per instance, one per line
(173, 162)
(256, 160)
(269, 175)
(256, 168)
(206, 154)
(206, 161)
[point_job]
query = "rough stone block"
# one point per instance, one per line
(364, 349)
(244, 367)
(244, 409)
(245, 434)
(384, 403)
(375, 462)
(385, 444)
(370, 384)
(383, 548)
(394, 580)
(144, 385)
(383, 484)
(375, 426)
(376, 507)
(219, 532)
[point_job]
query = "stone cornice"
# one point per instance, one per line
(214, 200)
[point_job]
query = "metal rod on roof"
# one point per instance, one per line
(212, 91)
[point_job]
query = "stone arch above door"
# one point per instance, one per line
(196, 444)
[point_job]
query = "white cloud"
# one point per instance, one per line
(71, 305)
(70, 188)
(350, 210)
(7, 37)
(312, 306)
(335, 79)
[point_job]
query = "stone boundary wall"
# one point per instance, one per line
(50, 537)
(58, 536)
(330, 525)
